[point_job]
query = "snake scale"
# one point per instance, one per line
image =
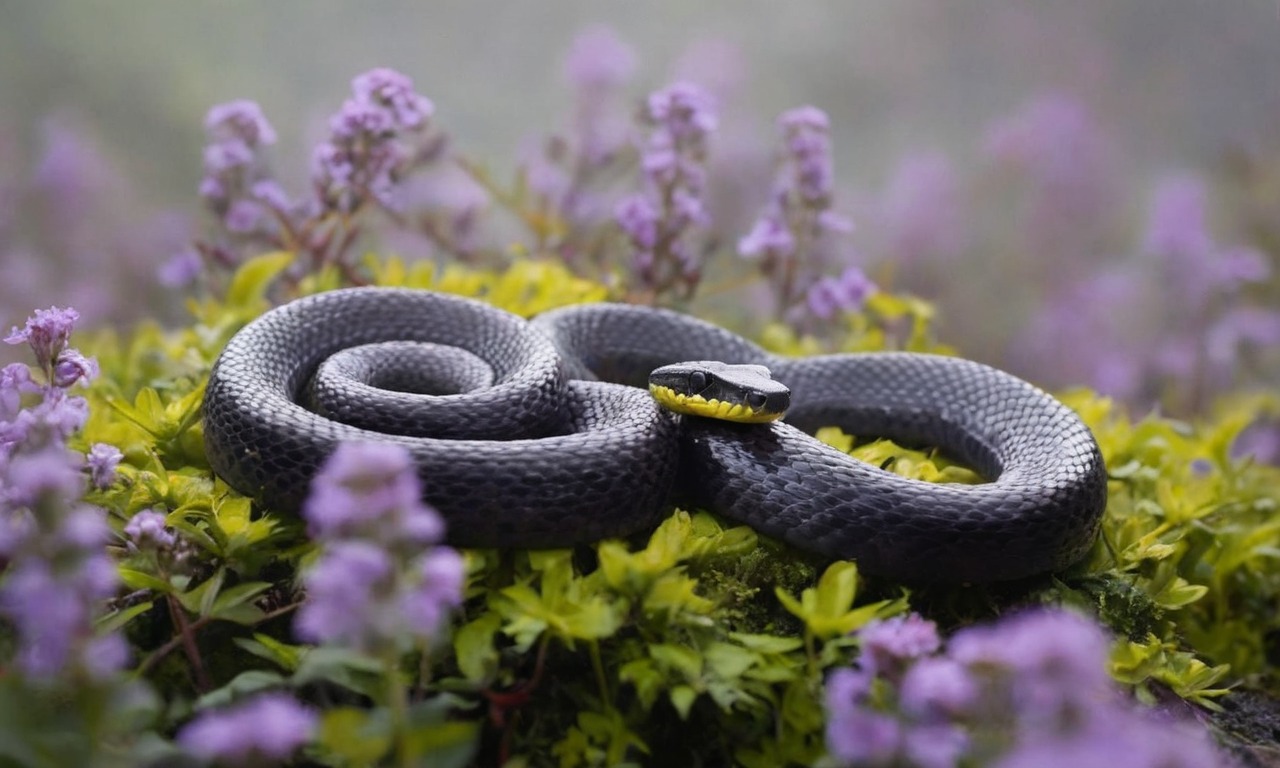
(538, 434)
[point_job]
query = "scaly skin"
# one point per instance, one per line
(546, 457)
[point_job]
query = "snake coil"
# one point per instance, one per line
(520, 444)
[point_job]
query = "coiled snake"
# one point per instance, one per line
(539, 452)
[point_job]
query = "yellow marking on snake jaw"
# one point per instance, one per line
(697, 405)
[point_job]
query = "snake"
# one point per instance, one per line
(549, 433)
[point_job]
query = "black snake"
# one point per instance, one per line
(541, 452)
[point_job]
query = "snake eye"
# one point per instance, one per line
(756, 400)
(697, 382)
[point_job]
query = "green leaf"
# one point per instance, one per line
(234, 604)
(264, 646)
(357, 736)
(199, 600)
(349, 669)
(249, 285)
(117, 620)
(134, 579)
(473, 647)
(242, 685)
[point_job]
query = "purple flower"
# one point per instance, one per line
(807, 137)
(1055, 144)
(268, 728)
(72, 368)
(661, 221)
(598, 60)
(638, 218)
(377, 581)
(857, 733)
(368, 150)
(921, 212)
(769, 238)
(146, 531)
(239, 122)
(683, 111)
(443, 575)
(371, 490)
(1178, 222)
(47, 332)
(830, 296)
(243, 216)
(181, 269)
(936, 688)
(888, 645)
(1057, 660)
(43, 475)
(935, 746)
(346, 589)
(393, 92)
(15, 381)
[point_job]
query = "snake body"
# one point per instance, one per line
(544, 437)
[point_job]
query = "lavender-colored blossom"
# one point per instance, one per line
(370, 145)
(1115, 736)
(38, 476)
(442, 577)
(639, 219)
(831, 296)
(49, 593)
(920, 211)
(661, 220)
(1058, 149)
(147, 531)
(1178, 220)
(394, 93)
(371, 490)
(378, 582)
(102, 461)
(787, 238)
(598, 60)
(807, 137)
(1057, 660)
(15, 381)
(47, 332)
(888, 646)
(239, 121)
(683, 111)
(346, 589)
(72, 367)
(769, 238)
(856, 733)
(181, 269)
(936, 688)
(267, 729)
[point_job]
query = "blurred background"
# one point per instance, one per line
(1089, 191)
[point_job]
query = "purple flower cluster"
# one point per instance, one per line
(920, 213)
(1188, 350)
(236, 185)
(57, 568)
(661, 221)
(1031, 690)
(798, 215)
(1063, 160)
(371, 142)
(832, 296)
(380, 580)
(265, 730)
(597, 65)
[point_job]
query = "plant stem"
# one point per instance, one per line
(398, 704)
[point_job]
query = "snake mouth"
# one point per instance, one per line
(741, 393)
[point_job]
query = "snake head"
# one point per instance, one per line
(743, 393)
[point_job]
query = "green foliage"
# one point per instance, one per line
(703, 639)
